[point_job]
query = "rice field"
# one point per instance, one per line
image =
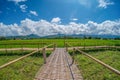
(34, 43)
(26, 69)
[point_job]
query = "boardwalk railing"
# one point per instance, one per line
(13, 61)
(44, 51)
(68, 45)
(100, 62)
(95, 59)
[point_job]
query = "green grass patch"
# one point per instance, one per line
(111, 58)
(6, 56)
(91, 70)
(24, 69)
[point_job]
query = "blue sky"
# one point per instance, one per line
(83, 10)
(62, 12)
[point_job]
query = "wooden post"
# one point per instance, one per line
(6, 48)
(44, 55)
(66, 47)
(73, 56)
(22, 48)
(84, 41)
(54, 46)
(38, 49)
(38, 46)
(73, 51)
(11, 49)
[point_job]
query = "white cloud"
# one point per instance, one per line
(23, 8)
(34, 13)
(74, 19)
(56, 20)
(44, 28)
(17, 1)
(104, 3)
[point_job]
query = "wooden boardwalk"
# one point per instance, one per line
(58, 67)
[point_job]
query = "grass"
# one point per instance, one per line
(112, 58)
(91, 70)
(26, 69)
(22, 70)
(60, 42)
(10, 55)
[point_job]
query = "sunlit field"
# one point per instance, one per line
(35, 43)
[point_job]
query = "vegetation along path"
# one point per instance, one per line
(59, 67)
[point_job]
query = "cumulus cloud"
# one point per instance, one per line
(56, 20)
(34, 13)
(17, 1)
(74, 19)
(45, 28)
(104, 3)
(23, 8)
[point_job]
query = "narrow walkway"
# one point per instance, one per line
(58, 67)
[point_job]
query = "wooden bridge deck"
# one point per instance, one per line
(58, 67)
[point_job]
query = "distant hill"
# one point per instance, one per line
(23, 37)
(33, 36)
(63, 36)
(82, 36)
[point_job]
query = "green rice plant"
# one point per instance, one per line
(33, 43)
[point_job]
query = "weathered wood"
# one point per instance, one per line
(25, 49)
(44, 55)
(54, 46)
(13, 61)
(6, 49)
(58, 67)
(100, 62)
(69, 48)
(66, 45)
(73, 56)
(48, 45)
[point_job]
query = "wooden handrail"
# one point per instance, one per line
(44, 51)
(69, 44)
(48, 46)
(66, 45)
(17, 43)
(100, 62)
(13, 61)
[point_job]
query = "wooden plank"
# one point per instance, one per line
(58, 67)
